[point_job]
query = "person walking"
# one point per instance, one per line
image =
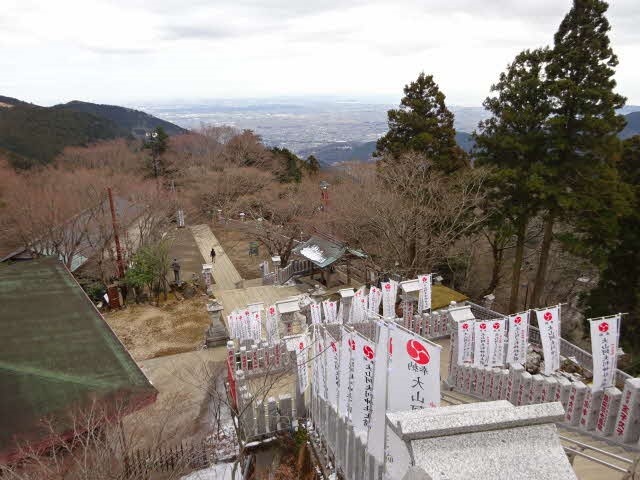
(175, 266)
(213, 255)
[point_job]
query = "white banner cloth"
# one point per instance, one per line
(549, 325)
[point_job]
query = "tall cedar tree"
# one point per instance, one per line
(618, 289)
(514, 141)
(157, 144)
(423, 124)
(581, 183)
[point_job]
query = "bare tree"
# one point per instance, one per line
(406, 215)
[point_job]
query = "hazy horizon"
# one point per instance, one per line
(132, 52)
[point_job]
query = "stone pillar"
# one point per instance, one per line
(476, 380)
(486, 382)
(608, 411)
(358, 451)
(467, 379)
(590, 409)
(502, 384)
(628, 420)
(248, 419)
(523, 388)
(574, 405)
(244, 364)
(341, 445)
(535, 393)
(286, 411)
(513, 383)
(272, 407)
(261, 424)
(349, 454)
(563, 391)
(549, 386)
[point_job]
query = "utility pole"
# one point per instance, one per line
(114, 221)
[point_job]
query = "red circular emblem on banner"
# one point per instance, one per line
(368, 352)
(424, 279)
(333, 346)
(483, 326)
(496, 326)
(247, 312)
(331, 304)
(603, 327)
(301, 346)
(257, 316)
(418, 352)
(272, 310)
(517, 320)
(387, 286)
(465, 326)
(352, 344)
(548, 316)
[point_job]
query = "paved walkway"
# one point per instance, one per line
(225, 275)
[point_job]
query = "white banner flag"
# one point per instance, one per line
(362, 396)
(424, 302)
(414, 379)
(321, 368)
(518, 338)
(347, 345)
(256, 324)
(330, 311)
(316, 314)
(273, 335)
(246, 325)
(496, 347)
(388, 300)
(359, 306)
(375, 296)
(333, 373)
(549, 325)
(465, 341)
(302, 361)
(377, 429)
(604, 348)
(482, 340)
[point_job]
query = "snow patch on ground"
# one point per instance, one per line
(313, 253)
(219, 471)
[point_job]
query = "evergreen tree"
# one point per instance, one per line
(157, 143)
(423, 124)
(618, 288)
(289, 169)
(514, 142)
(580, 184)
(313, 165)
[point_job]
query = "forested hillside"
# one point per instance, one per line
(34, 135)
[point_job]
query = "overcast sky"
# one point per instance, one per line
(126, 51)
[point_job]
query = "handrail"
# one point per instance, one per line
(596, 460)
(603, 452)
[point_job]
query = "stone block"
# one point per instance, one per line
(608, 411)
(563, 391)
(513, 383)
(549, 386)
(272, 408)
(590, 409)
(261, 425)
(535, 392)
(573, 411)
(523, 388)
(286, 411)
(627, 427)
(503, 380)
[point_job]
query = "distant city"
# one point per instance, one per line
(298, 124)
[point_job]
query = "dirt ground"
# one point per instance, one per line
(236, 246)
(174, 327)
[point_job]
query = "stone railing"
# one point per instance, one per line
(567, 349)
(258, 359)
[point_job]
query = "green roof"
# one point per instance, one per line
(57, 354)
(323, 252)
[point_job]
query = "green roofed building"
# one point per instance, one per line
(58, 357)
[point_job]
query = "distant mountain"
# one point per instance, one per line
(633, 125)
(337, 152)
(32, 135)
(127, 119)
